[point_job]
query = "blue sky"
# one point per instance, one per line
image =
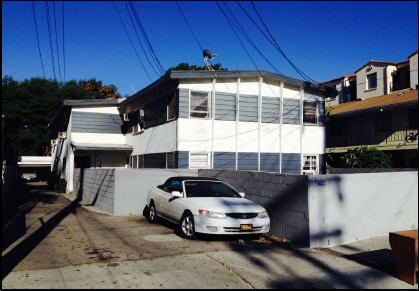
(324, 40)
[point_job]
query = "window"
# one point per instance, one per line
(137, 161)
(171, 107)
(170, 161)
(199, 104)
(198, 161)
(133, 163)
(371, 81)
(138, 123)
(173, 186)
(310, 165)
(310, 112)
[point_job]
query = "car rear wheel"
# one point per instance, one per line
(152, 213)
(187, 226)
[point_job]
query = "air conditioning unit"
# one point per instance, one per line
(62, 134)
(126, 117)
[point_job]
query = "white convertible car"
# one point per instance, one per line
(205, 205)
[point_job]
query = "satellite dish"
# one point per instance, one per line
(207, 58)
(207, 54)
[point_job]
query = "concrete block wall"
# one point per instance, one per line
(96, 187)
(314, 211)
(285, 196)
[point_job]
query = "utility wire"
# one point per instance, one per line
(150, 48)
(56, 41)
(238, 26)
(302, 74)
(50, 39)
(189, 26)
(131, 41)
(37, 37)
(139, 40)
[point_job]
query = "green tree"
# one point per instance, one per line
(96, 90)
(29, 105)
(187, 67)
(367, 157)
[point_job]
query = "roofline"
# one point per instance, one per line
(89, 102)
(204, 74)
(411, 55)
(372, 109)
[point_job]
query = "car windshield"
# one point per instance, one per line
(209, 189)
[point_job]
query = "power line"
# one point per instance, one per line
(50, 39)
(139, 40)
(276, 44)
(189, 26)
(56, 40)
(37, 37)
(131, 41)
(152, 53)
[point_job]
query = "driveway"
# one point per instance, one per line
(52, 232)
(55, 243)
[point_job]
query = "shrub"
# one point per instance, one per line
(367, 157)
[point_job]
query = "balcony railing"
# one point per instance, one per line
(399, 86)
(395, 136)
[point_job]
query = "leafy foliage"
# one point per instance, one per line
(96, 90)
(29, 105)
(187, 67)
(367, 157)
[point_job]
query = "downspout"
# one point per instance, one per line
(281, 108)
(237, 121)
(213, 122)
(301, 127)
(259, 116)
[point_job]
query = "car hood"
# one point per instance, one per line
(227, 205)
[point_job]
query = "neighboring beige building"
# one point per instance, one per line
(377, 106)
(375, 78)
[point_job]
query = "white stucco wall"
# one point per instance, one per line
(132, 185)
(361, 80)
(351, 207)
(196, 135)
(157, 139)
(413, 62)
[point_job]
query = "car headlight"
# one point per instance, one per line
(263, 214)
(212, 213)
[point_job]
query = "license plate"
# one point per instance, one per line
(246, 227)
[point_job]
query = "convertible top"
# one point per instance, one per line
(185, 178)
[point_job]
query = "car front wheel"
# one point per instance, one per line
(152, 213)
(187, 226)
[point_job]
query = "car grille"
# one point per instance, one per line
(242, 215)
(237, 229)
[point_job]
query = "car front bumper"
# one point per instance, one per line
(230, 226)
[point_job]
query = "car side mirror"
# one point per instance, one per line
(241, 194)
(176, 193)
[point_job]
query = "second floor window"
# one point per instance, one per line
(310, 112)
(199, 104)
(372, 81)
(138, 120)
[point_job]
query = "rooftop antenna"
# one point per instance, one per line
(207, 58)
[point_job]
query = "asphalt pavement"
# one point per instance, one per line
(54, 241)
